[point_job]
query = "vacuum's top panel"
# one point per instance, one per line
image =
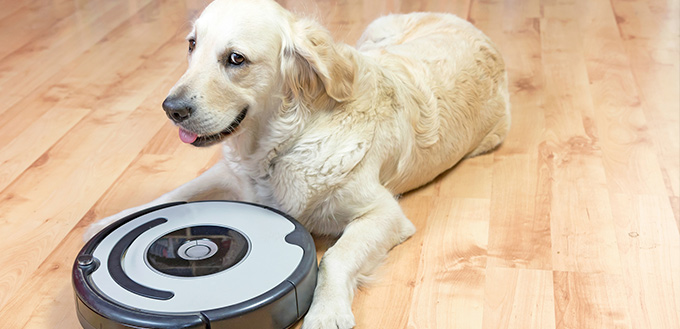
(195, 257)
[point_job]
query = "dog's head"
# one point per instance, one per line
(244, 55)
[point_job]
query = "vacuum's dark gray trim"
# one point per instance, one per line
(91, 304)
(295, 292)
(119, 317)
(115, 263)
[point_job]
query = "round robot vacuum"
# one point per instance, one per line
(206, 264)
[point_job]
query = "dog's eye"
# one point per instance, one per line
(192, 45)
(236, 59)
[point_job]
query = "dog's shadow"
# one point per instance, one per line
(322, 243)
(62, 310)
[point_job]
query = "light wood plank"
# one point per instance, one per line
(519, 228)
(470, 181)
(520, 190)
(650, 37)
(52, 55)
(43, 132)
(629, 154)
(583, 238)
(449, 285)
(512, 293)
(649, 248)
(587, 300)
(42, 18)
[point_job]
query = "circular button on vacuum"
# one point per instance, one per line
(196, 252)
(197, 249)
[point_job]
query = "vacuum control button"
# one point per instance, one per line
(197, 249)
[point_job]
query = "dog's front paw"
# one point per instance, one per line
(97, 226)
(329, 315)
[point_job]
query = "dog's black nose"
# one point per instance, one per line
(177, 109)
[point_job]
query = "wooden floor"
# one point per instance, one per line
(572, 223)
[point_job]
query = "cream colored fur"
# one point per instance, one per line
(333, 133)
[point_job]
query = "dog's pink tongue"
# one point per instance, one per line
(187, 136)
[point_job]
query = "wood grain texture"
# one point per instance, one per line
(572, 223)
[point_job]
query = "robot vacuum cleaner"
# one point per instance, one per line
(207, 264)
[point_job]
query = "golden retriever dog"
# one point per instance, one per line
(329, 133)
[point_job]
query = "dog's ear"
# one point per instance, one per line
(312, 63)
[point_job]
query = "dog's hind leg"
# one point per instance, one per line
(499, 106)
(494, 138)
(362, 246)
(216, 182)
